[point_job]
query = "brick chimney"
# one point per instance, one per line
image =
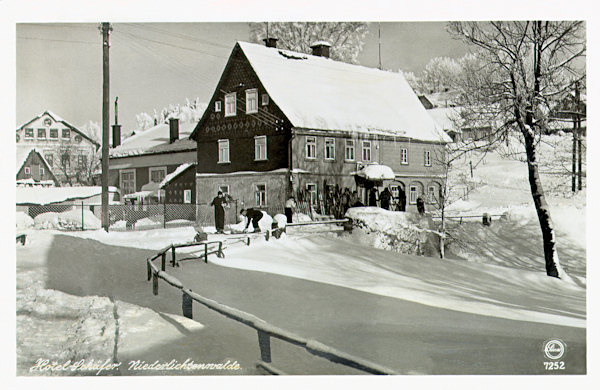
(321, 49)
(173, 129)
(270, 42)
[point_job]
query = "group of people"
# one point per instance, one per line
(337, 202)
(220, 202)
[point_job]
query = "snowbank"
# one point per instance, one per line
(281, 220)
(24, 221)
(67, 220)
(398, 231)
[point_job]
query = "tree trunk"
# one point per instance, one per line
(550, 255)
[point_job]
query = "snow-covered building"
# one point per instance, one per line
(66, 149)
(280, 122)
(33, 170)
(141, 162)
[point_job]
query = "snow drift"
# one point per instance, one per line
(404, 232)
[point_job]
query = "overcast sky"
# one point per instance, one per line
(152, 65)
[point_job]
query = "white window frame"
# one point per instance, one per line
(231, 105)
(223, 144)
(313, 199)
(251, 101)
(257, 199)
(431, 198)
(427, 156)
(258, 156)
(42, 171)
(27, 171)
(395, 190)
(329, 142)
(413, 189)
(265, 99)
(366, 149)
(49, 157)
(121, 172)
(223, 186)
(218, 106)
(50, 134)
(311, 145)
(187, 196)
(25, 136)
(404, 156)
(350, 149)
(156, 169)
(45, 133)
(62, 133)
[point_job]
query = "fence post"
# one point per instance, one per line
(267, 235)
(220, 251)
(163, 262)
(206, 253)
(154, 283)
(149, 269)
(164, 215)
(186, 306)
(173, 256)
(82, 221)
(248, 241)
(264, 342)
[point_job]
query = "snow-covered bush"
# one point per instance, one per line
(24, 221)
(67, 220)
(403, 232)
(281, 220)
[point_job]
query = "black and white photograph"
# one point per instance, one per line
(205, 193)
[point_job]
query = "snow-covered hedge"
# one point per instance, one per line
(403, 232)
(67, 220)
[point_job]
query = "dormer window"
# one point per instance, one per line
(251, 101)
(230, 106)
(218, 106)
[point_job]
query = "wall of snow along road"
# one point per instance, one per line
(404, 232)
(67, 220)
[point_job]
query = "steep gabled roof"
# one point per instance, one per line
(60, 120)
(320, 93)
(155, 140)
(23, 155)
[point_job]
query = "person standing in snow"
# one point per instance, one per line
(401, 199)
(373, 197)
(385, 198)
(420, 205)
(253, 216)
(219, 203)
(290, 207)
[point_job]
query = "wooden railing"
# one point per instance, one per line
(265, 330)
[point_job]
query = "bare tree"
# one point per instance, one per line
(346, 38)
(530, 66)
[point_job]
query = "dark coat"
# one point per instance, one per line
(219, 211)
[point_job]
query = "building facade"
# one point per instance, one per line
(150, 156)
(70, 153)
(34, 170)
(280, 123)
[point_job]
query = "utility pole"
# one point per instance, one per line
(106, 29)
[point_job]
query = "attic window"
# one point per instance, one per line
(291, 56)
(265, 99)
(218, 106)
(28, 133)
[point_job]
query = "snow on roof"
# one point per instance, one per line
(320, 93)
(376, 172)
(155, 140)
(175, 173)
(57, 118)
(42, 196)
(23, 153)
(445, 117)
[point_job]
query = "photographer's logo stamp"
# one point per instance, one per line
(554, 349)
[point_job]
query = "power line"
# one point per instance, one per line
(58, 40)
(178, 35)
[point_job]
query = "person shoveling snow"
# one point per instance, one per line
(263, 223)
